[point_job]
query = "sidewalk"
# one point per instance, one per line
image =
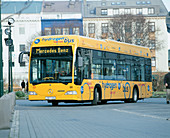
(4, 133)
(14, 130)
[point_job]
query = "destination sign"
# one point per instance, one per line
(51, 51)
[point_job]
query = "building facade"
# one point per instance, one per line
(98, 15)
(62, 18)
(27, 23)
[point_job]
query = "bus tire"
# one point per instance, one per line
(135, 95)
(96, 97)
(103, 102)
(54, 103)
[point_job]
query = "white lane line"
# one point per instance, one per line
(139, 114)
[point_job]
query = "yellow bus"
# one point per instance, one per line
(70, 68)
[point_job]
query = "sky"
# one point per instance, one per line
(166, 2)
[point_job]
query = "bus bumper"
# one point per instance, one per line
(48, 98)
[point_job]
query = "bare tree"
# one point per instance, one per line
(31, 39)
(134, 29)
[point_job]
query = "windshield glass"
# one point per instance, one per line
(51, 65)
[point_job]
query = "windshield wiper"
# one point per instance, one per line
(35, 83)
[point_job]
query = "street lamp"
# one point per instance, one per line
(1, 60)
(11, 21)
(9, 42)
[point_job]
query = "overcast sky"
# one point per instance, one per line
(166, 2)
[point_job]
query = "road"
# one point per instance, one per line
(148, 118)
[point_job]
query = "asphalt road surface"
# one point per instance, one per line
(146, 118)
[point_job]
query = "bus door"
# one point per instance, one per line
(123, 75)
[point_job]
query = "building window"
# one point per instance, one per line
(47, 31)
(104, 28)
(148, 2)
(104, 12)
(118, 3)
(145, 11)
(127, 11)
(138, 27)
(152, 44)
(123, 3)
(128, 27)
(65, 31)
(58, 16)
(151, 27)
(139, 11)
(115, 11)
(138, 2)
(138, 41)
(92, 12)
(91, 28)
(21, 30)
(22, 47)
(151, 11)
(76, 30)
(58, 31)
(153, 61)
(103, 3)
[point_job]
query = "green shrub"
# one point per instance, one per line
(20, 94)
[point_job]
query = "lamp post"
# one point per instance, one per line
(1, 59)
(9, 42)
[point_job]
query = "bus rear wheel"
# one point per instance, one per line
(96, 97)
(135, 95)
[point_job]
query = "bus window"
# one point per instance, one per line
(97, 68)
(97, 64)
(109, 65)
(121, 70)
(128, 67)
(83, 71)
(148, 71)
(142, 67)
(135, 69)
(50, 67)
(109, 69)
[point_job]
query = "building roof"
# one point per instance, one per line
(62, 6)
(12, 7)
(91, 6)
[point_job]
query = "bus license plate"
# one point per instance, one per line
(50, 98)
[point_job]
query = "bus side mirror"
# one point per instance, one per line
(20, 58)
(80, 61)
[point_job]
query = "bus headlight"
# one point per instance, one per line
(32, 93)
(71, 93)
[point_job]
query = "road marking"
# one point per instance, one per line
(139, 114)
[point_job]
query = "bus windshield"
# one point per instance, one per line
(51, 67)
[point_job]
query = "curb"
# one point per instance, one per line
(14, 132)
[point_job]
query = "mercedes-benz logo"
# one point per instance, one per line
(50, 91)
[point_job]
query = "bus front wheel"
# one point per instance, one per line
(54, 103)
(96, 97)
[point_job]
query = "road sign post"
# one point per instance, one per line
(9, 43)
(1, 59)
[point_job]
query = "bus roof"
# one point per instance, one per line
(91, 43)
